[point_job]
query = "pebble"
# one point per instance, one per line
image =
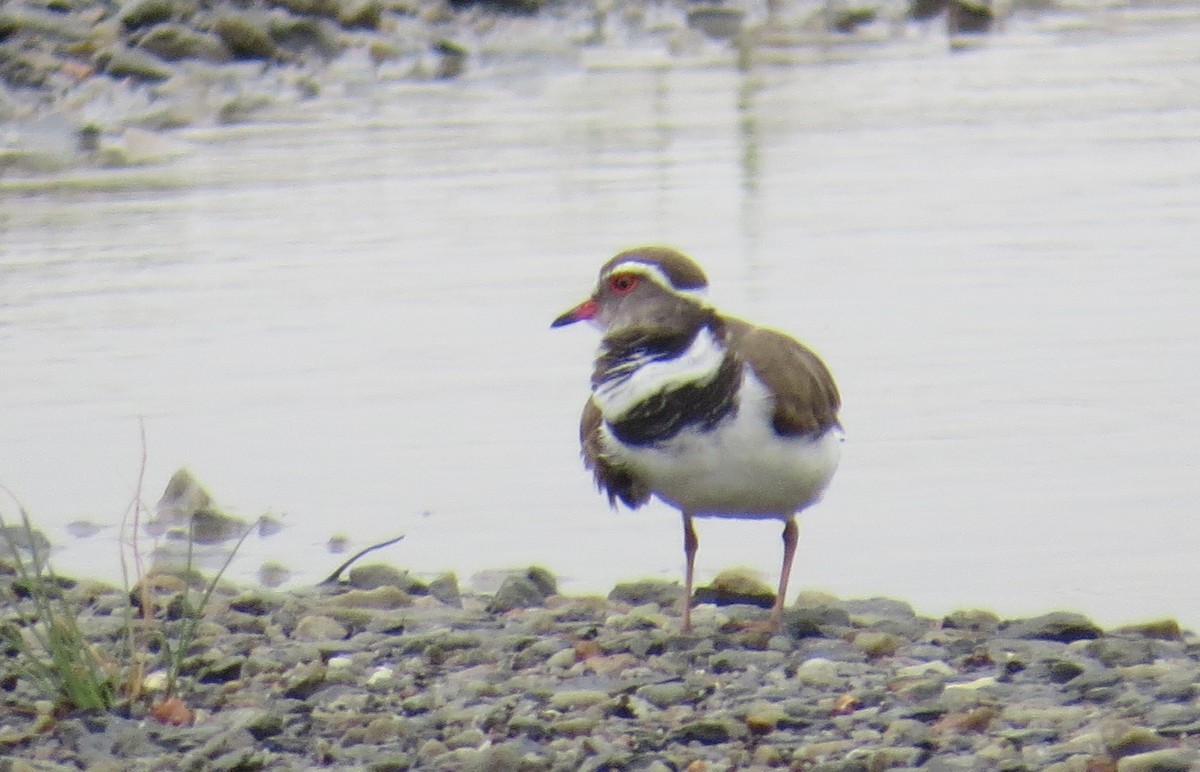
(381, 677)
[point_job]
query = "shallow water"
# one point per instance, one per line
(344, 321)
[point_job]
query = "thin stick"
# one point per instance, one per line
(336, 576)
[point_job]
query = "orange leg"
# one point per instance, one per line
(791, 535)
(690, 545)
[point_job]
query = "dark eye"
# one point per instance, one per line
(623, 283)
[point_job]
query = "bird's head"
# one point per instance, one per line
(647, 286)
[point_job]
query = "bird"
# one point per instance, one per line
(713, 415)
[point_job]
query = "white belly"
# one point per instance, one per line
(740, 468)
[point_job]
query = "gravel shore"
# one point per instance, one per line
(387, 672)
(96, 83)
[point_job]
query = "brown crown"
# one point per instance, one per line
(680, 269)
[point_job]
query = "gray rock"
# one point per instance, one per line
(907, 731)
(257, 602)
(710, 731)
(150, 12)
(16, 18)
(1161, 629)
(869, 610)
(1115, 652)
(262, 724)
(659, 591)
(306, 35)
(736, 587)
(360, 14)
(973, 620)
(318, 627)
(371, 575)
(303, 681)
(24, 539)
(527, 590)
(1134, 740)
(543, 580)
(445, 589)
(1062, 670)
(665, 695)
(173, 42)
(1096, 685)
(718, 22)
(1170, 760)
(1059, 626)
(814, 621)
(247, 36)
(223, 670)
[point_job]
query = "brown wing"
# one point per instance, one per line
(807, 398)
(612, 480)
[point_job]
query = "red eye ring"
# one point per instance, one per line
(623, 283)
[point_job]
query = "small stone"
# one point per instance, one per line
(868, 610)
(264, 724)
(361, 14)
(658, 591)
(303, 681)
(818, 671)
(1175, 689)
(877, 644)
(468, 738)
(937, 667)
(562, 659)
(378, 598)
(1133, 740)
(256, 603)
(382, 730)
(973, 620)
(445, 589)
(380, 675)
(1099, 685)
(1061, 626)
(246, 36)
(734, 587)
(575, 726)
(527, 590)
(173, 42)
(417, 704)
(1121, 652)
(763, 718)
(665, 695)
(1168, 760)
(768, 756)
(224, 670)
(1063, 670)
(814, 621)
(708, 732)
(373, 575)
(317, 627)
(907, 731)
(505, 757)
(543, 580)
(1161, 630)
(958, 687)
(572, 699)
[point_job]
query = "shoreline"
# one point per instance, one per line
(388, 672)
(89, 85)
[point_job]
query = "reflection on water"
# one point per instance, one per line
(344, 323)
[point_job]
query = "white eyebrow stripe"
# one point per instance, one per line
(655, 274)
